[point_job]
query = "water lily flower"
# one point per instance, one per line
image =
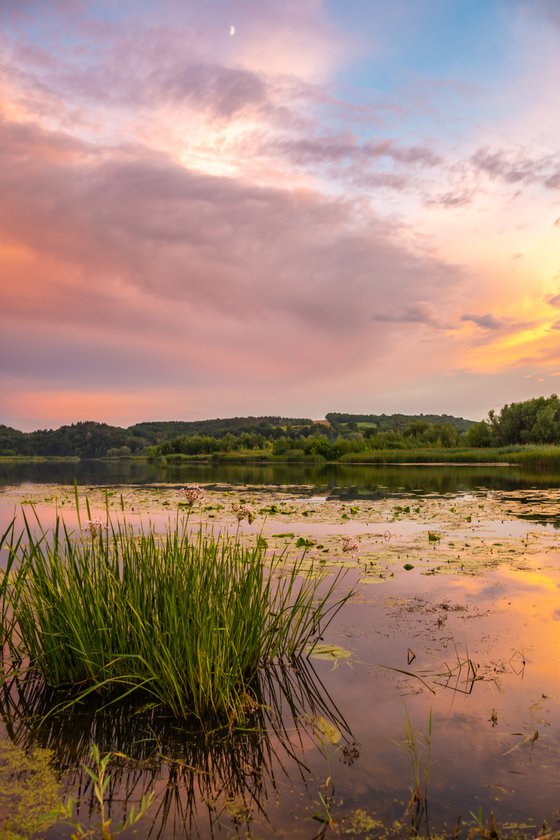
(350, 545)
(243, 512)
(94, 526)
(192, 493)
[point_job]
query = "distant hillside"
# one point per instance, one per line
(395, 422)
(157, 432)
(270, 433)
(96, 440)
(340, 435)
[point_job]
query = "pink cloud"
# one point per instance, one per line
(133, 269)
(518, 166)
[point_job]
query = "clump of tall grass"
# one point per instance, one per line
(538, 457)
(9, 574)
(188, 618)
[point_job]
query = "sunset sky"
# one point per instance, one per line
(232, 207)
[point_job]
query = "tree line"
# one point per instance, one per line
(97, 440)
(535, 421)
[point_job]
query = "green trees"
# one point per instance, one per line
(479, 435)
(533, 421)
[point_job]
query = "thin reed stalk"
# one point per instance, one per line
(10, 573)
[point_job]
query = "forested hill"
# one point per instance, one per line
(394, 422)
(97, 440)
(535, 421)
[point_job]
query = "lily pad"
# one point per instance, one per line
(326, 729)
(332, 652)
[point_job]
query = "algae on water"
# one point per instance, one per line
(29, 792)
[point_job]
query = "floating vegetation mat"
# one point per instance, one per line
(462, 534)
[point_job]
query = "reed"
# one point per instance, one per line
(189, 618)
(10, 572)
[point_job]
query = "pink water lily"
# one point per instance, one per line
(243, 512)
(350, 545)
(192, 493)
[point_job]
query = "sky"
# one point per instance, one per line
(249, 207)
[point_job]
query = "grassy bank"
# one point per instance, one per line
(38, 459)
(537, 457)
(503, 455)
(188, 619)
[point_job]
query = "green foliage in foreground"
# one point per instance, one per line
(190, 620)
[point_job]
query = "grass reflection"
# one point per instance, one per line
(201, 779)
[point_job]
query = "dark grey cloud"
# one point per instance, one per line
(17, 10)
(486, 322)
(226, 91)
(453, 198)
(145, 66)
(220, 91)
(339, 147)
(548, 9)
(420, 313)
(518, 167)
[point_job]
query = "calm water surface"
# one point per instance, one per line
(341, 481)
(479, 656)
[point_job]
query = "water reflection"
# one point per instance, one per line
(335, 480)
(203, 781)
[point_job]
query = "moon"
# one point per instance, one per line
(232, 30)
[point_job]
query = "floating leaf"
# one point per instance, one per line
(324, 727)
(527, 739)
(332, 652)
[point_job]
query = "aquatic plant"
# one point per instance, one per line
(152, 750)
(419, 748)
(9, 576)
(192, 493)
(350, 545)
(243, 512)
(100, 777)
(190, 619)
(29, 791)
